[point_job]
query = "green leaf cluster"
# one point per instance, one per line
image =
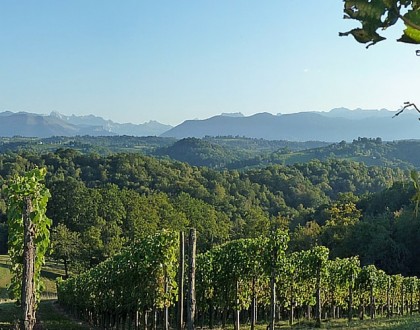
(382, 14)
(141, 277)
(30, 185)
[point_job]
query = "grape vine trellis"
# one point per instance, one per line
(29, 238)
(233, 280)
(139, 280)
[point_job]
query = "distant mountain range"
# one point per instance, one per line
(333, 126)
(35, 125)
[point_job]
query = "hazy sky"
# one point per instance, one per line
(134, 61)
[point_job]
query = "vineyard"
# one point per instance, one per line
(244, 281)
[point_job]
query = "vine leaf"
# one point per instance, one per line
(381, 14)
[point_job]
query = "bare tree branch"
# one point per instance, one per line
(406, 105)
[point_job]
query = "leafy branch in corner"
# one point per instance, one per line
(380, 15)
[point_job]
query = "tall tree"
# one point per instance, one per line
(65, 246)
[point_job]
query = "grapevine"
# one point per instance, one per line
(27, 199)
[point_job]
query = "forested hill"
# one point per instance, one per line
(240, 153)
(402, 154)
(102, 203)
(231, 152)
(228, 152)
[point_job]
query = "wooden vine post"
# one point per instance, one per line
(28, 278)
(350, 299)
(276, 258)
(29, 238)
(273, 294)
(191, 299)
(181, 267)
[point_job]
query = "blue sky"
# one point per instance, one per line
(135, 61)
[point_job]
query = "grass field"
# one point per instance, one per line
(49, 314)
(49, 273)
(4, 276)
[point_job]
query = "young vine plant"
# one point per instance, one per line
(19, 189)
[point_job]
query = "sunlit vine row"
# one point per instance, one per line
(232, 276)
(141, 278)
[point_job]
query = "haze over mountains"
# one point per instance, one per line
(36, 125)
(333, 126)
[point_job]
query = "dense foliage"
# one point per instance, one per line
(100, 204)
(229, 152)
(20, 191)
(140, 278)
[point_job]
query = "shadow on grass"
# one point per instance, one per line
(395, 323)
(51, 275)
(49, 317)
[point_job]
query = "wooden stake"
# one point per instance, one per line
(28, 281)
(191, 302)
(180, 318)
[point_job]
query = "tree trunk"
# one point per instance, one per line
(28, 280)
(191, 302)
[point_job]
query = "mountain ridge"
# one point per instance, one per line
(334, 126)
(28, 124)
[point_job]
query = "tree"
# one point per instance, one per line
(382, 14)
(65, 245)
(342, 217)
(29, 238)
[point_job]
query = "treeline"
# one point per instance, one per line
(236, 153)
(200, 151)
(373, 152)
(230, 152)
(100, 204)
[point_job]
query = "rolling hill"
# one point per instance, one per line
(334, 126)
